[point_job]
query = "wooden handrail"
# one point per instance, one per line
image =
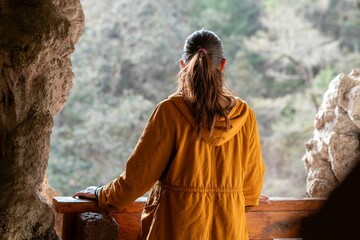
(279, 218)
(76, 205)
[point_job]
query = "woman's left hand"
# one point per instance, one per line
(89, 192)
(264, 199)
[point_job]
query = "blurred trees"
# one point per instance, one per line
(281, 56)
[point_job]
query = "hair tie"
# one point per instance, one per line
(202, 50)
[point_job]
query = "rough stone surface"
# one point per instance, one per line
(95, 226)
(334, 149)
(37, 38)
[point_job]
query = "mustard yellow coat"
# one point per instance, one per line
(199, 186)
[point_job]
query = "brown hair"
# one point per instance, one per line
(201, 81)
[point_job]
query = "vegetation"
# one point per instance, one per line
(281, 56)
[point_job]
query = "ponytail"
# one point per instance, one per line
(201, 84)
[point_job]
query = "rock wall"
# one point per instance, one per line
(37, 38)
(334, 149)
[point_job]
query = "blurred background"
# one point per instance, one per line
(281, 56)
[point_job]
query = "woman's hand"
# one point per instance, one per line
(264, 199)
(89, 193)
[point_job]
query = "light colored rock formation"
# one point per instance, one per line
(334, 149)
(37, 38)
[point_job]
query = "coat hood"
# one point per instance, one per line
(237, 116)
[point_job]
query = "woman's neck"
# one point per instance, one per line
(227, 102)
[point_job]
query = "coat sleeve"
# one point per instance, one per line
(255, 166)
(145, 165)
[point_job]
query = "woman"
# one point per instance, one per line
(199, 153)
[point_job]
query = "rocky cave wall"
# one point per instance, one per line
(334, 149)
(37, 38)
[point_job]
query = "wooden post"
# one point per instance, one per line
(69, 226)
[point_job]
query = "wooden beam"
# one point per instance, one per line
(279, 218)
(74, 205)
(288, 204)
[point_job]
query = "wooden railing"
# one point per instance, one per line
(279, 218)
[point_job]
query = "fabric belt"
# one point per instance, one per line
(191, 189)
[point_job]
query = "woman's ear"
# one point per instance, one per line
(222, 64)
(182, 64)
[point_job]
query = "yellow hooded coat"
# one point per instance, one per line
(199, 186)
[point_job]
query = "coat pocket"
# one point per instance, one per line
(149, 212)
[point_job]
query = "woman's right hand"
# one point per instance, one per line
(89, 193)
